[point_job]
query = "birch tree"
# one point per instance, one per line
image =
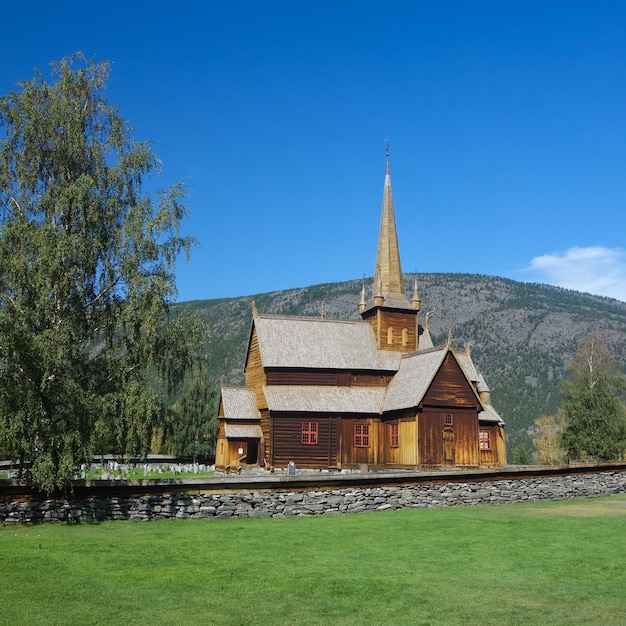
(548, 439)
(593, 409)
(86, 276)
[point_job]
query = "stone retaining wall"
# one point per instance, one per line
(287, 503)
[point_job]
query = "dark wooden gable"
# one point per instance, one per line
(253, 368)
(252, 350)
(450, 387)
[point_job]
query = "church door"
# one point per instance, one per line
(449, 444)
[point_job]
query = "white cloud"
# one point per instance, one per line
(597, 270)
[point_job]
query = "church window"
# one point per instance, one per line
(405, 336)
(394, 437)
(309, 432)
(390, 336)
(362, 435)
(448, 419)
(484, 440)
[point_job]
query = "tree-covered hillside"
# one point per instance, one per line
(523, 335)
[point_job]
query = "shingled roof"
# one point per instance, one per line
(465, 360)
(416, 372)
(310, 343)
(239, 404)
(490, 415)
(325, 399)
(243, 431)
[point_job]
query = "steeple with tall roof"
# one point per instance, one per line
(388, 275)
(392, 316)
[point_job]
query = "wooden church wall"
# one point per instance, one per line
(326, 377)
(233, 453)
(266, 428)
(448, 426)
(450, 387)
(221, 456)
(287, 443)
(501, 446)
(380, 450)
(448, 437)
(353, 455)
(489, 457)
(408, 442)
(397, 321)
(496, 454)
(302, 376)
(405, 452)
(255, 375)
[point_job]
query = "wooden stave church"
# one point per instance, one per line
(343, 394)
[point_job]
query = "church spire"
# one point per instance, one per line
(387, 159)
(389, 312)
(388, 268)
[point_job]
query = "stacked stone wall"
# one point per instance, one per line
(321, 502)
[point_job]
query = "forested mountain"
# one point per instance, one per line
(523, 335)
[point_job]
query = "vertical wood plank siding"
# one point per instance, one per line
(405, 455)
(450, 387)
(407, 435)
(384, 319)
(255, 374)
(501, 446)
(465, 429)
(266, 428)
(488, 457)
(221, 449)
(493, 456)
(352, 455)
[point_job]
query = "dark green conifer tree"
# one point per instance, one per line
(595, 415)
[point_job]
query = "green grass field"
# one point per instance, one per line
(139, 475)
(537, 564)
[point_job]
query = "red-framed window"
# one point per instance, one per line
(309, 432)
(362, 435)
(484, 440)
(394, 436)
(447, 418)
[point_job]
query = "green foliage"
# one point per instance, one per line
(594, 412)
(192, 427)
(548, 439)
(521, 456)
(86, 342)
(542, 563)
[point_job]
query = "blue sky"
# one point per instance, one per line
(507, 125)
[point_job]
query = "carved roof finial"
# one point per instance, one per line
(427, 318)
(252, 304)
(363, 301)
(415, 300)
(387, 154)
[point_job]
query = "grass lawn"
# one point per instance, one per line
(139, 475)
(537, 564)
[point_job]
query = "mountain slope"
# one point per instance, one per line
(523, 335)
